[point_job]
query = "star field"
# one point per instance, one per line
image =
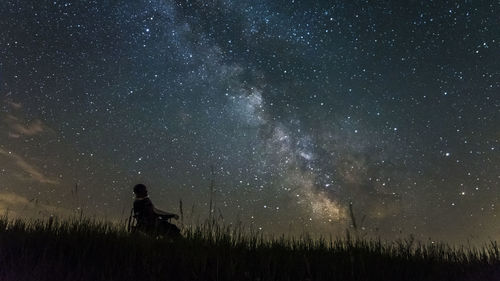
(301, 108)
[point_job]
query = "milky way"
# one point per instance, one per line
(301, 109)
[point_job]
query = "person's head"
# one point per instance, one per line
(140, 190)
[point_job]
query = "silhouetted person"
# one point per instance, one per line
(149, 219)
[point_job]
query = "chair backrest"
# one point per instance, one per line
(132, 221)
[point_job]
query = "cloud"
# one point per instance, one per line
(14, 105)
(33, 172)
(19, 127)
(34, 128)
(16, 205)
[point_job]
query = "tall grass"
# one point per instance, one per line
(85, 249)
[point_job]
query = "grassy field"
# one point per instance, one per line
(90, 250)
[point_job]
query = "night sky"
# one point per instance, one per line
(300, 108)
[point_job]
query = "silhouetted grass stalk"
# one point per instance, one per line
(87, 249)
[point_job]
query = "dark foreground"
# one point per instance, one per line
(86, 250)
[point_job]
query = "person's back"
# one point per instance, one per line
(149, 219)
(143, 213)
